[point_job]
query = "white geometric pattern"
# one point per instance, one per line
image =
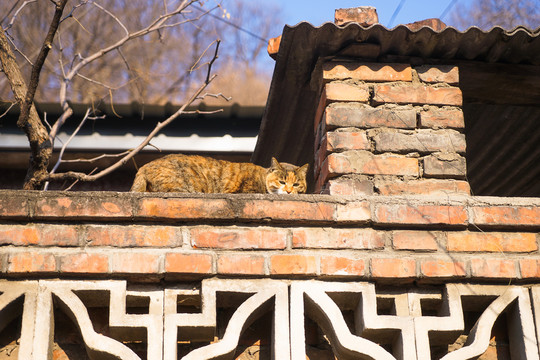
(359, 321)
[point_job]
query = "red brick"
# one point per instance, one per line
(328, 238)
(135, 262)
(363, 15)
(442, 268)
(492, 242)
(420, 214)
(442, 118)
(493, 268)
(417, 94)
(131, 236)
(506, 215)
(84, 263)
(188, 263)
(423, 187)
(350, 186)
(366, 71)
(530, 268)
(239, 264)
(293, 265)
(341, 91)
(83, 207)
(420, 141)
(417, 240)
(434, 23)
(238, 238)
(31, 262)
(288, 210)
(339, 141)
(342, 266)
(355, 211)
(185, 208)
(445, 165)
(363, 162)
(438, 74)
(362, 116)
(41, 235)
(273, 46)
(13, 206)
(393, 268)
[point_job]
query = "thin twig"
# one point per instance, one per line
(59, 161)
(146, 141)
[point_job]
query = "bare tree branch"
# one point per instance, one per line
(87, 177)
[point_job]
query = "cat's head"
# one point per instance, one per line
(283, 178)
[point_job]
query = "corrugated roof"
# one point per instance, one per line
(287, 130)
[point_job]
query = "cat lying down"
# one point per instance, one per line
(200, 174)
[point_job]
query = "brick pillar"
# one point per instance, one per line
(390, 129)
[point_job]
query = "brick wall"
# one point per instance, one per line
(390, 129)
(376, 238)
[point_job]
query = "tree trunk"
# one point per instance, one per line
(36, 132)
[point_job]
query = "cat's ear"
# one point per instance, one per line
(303, 169)
(275, 164)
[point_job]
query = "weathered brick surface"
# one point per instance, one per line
(238, 238)
(240, 264)
(493, 268)
(340, 141)
(39, 234)
(83, 207)
(438, 74)
(420, 141)
(363, 15)
(358, 212)
(420, 214)
(445, 165)
(31, 262)
(430, 239)
(342, 266)
(184, 208)
(442, 268)
(492, 242)
(343, 91)
(288, 210)
(444, 117)
(14, 206)
(530, 268)
(350, 186)
(133, 236)
(417, 240)
(417, 94)
(363, 116)
(363, 162)
(188, 263)
(366, 71)
(84, 263)
(435, 187)
(503, 216)
(393, 268)
(139, 262)
(292, 264)
(329, 238)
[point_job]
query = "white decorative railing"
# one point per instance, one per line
(359, 321)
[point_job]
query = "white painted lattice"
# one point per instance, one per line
(359, 321)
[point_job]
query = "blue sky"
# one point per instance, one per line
(318, 12)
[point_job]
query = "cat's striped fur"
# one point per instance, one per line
(200, 174)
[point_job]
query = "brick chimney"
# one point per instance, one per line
(390, 129)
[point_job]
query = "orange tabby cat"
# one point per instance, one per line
(199, 174)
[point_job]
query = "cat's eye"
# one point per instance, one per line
(296, 184)
(282, 182)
